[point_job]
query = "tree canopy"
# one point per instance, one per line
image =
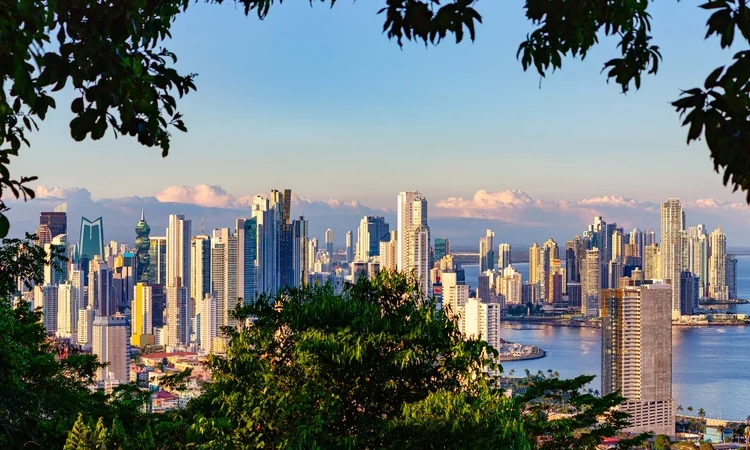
(112, 56)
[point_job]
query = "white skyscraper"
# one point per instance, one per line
(455, 296)
(178, 281)
(67, 310)
(207, 324)
(413, 252)
(717, 266)
(178, 252)
(510, 285)
(200, 266)
(671, 248)
(482, 321)
(487, 252)
(111, 343)
(698, 256)
(591, 283)
(329, 243)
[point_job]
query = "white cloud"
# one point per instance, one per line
(200, 194)
(58, 193)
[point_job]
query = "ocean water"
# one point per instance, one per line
(710, 365)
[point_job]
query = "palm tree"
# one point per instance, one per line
(690, 409)
(701, 413)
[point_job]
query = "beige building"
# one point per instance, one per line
(672, 226)
(637, 354)
(111, 344)
(591, 283)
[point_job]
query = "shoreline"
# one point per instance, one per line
(539, 355)
(553, 322)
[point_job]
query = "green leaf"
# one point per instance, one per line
(4, 226)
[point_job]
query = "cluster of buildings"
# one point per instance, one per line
(176, 292)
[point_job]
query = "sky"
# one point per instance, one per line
(318, 100)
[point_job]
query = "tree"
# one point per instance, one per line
(374, 367)
(706, 446)
(125, 83)
(701, 413)
(662, 442)
(42, 391)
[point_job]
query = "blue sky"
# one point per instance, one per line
(318, 100)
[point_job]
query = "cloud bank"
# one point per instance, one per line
(513, 215)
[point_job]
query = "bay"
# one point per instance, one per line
(710, 365)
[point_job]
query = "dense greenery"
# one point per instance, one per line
(124, 80)
(374, 367)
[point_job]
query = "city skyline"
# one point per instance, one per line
(348, 107)
(513, 215)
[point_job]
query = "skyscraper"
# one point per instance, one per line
(591, 283)
(92, 238)
(487, 252)
(442, 248)
(247, 247)
(637, 354)
(111, 343)
(717, 274)
(157, 260)
(503, 259)
(56, 222)
(697, 256)
(329, 243)
(142, 247)
(141, 316)
(349, 246)
(281, 202)
(299, 251)
(371, 232)
(100, 287)
(731, 277)
(671, 248)
(178, 286)
(200, 267)
(266, 251)
(535, 261)
(67, 310)
(413, 252)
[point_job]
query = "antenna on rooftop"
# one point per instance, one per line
(201, 224)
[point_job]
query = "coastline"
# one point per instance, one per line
(555, 322)
(540, 354)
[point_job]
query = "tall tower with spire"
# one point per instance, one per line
(142, 244)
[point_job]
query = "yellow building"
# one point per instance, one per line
(142, 333)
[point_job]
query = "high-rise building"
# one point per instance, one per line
(329, 242)
(671, 248)
(591, 283)
(731, 276)
(91, 243)
(247, 247)
(637, 239)
(142, 250)
(510, 285)
(535, 264)
(111, 344)
(503, 256)
(56, 222)
(224, 275)
(618, 246)
(100, 288)
(697, 256)
(575, 253)
(689, 289)
(652, 262)
(123, 280)
(349, 247)
(67, 310)
(200, 267)
(482, 321)
(455, 296)
(549, 253)
(442, 248)
(45, 297)
(179, 233)
(178, 316)
(300, 248)
(717, 272)
(206, 322)
(487, 252)
(266, 217)
(371, 232)
(141, 316)
(413, 251)
(637, 354)
(56, 273)
(649, 237)
(158, 261)
(178, 287)
(388, 252)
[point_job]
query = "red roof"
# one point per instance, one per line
(167, 355)
(609, 441)
(164, 395)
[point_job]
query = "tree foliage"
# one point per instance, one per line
(662, 442)
(124, 81)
